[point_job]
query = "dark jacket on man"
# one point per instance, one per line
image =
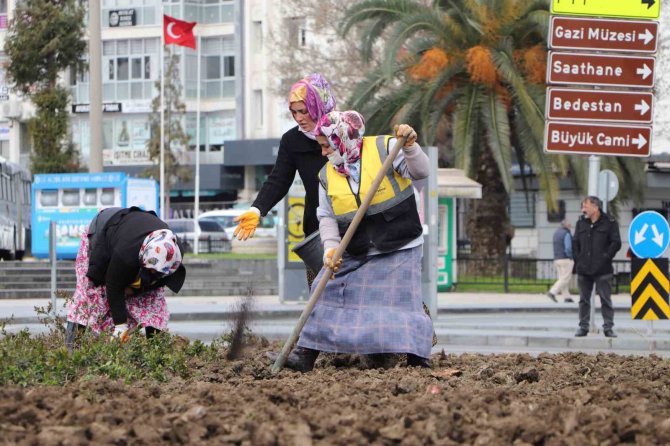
(114, 257)
(594, 245)
(296, 152)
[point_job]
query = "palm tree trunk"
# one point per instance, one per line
(488, 225)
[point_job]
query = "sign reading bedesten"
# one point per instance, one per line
(634, 9)
(597, 139)
(599, 105)
(581, 33)
(599, 69)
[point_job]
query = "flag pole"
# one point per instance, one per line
(197, 155)
(161, 177)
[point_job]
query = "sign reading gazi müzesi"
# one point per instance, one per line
(585, 33)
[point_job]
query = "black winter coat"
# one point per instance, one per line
(114, 260)
(594, 245)
(296, 152)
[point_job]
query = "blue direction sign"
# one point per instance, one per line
(648, 235)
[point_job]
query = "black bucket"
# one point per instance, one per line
(310, 251)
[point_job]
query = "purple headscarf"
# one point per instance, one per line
(314, 91)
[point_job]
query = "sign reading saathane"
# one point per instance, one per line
(642, 9)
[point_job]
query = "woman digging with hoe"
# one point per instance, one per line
(373, 304)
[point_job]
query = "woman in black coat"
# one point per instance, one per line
(125, 258)
(309, 99)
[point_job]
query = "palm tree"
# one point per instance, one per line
(471, 75)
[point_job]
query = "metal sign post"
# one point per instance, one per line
(54, 263)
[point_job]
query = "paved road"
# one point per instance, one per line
(466, 322)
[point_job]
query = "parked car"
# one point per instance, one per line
(266, 228)
(213, 237)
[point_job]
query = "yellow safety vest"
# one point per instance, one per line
(392, 190)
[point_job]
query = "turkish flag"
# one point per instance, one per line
(178, 32)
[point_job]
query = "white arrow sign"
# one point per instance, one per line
(639, 235)
(642, 107)
(647, 36)
(658, 237)
(645, 71)
(640, 141)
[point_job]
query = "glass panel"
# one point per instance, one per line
(110, 69)
(227, 13)
(229, 66)
(122, 91)
(212, 89)
(147, 67)
(136, 46)
(136, 72)
(107, 196)
(122, 47)
(149, 16)
(90, 197)
(228, 89)
(70, 197)
(213, 67)
(48, 198)
(108, 92)
(122, 68)
(211, 14)
(136, 90)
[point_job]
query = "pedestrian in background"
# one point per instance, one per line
(373, 303)
(595, 244)
(563, 262)
(308, 100)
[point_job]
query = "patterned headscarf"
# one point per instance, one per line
(314, 91)
(344, 131)
(160, 252)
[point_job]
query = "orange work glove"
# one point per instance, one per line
(406, 131)
(247, 223)
(121, 332)
(328, 261)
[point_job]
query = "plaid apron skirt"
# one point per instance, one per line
(89, 305)
(373, 305)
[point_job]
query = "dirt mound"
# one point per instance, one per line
(566, 399)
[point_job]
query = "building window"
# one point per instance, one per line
(258, 107)
(522, 209)
(302, 37)
(201, 11)
(257, 36)
(218, 68)
(129, 68)
(215, 129)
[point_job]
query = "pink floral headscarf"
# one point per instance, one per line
(344, 131)
(314, 91)
(160, 252)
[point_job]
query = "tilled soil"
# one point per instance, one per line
(565, 399)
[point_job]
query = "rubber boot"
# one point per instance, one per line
(300, 359)
(71, 331)
(417, 361)
(379, 360)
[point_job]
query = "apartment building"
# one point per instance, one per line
(236, 108)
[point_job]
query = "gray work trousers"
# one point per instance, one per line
(604, 290)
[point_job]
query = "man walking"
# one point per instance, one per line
(563, 262)
(595, 244)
